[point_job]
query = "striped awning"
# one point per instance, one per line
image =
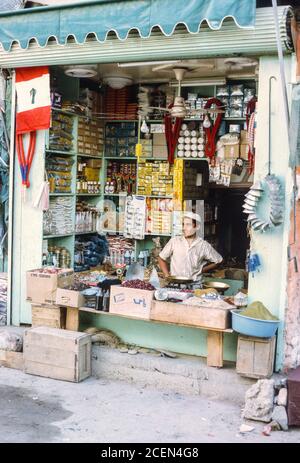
(100, 17)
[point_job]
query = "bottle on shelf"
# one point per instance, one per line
(107, 187)
(105, 306)
(111, 188)
(141, 258)
(132, 257)
(44, 259)
(127, 258)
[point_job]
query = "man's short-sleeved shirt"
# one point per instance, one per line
(189, 261)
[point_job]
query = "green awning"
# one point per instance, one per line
(120, 16)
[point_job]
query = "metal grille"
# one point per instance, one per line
(8, 5)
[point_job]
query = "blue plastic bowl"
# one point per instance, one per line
(253, 326)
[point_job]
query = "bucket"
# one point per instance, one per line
(253, 326)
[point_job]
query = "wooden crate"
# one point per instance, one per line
(255, 356)
(11, 359)
(57, 354)
(131, 302)
(52, 316)
(205, 317)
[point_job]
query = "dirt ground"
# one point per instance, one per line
(35, 409)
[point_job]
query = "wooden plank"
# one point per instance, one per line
(184, 325)
(191, 315)
(50, 371)
(72, 321)
(10, 359)
(214, 349)
(51, 316)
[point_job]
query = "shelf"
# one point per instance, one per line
(71, 113)
(121, 157)
(66, 153)
(120, 120)
(158, 234)
(234, 119)
(158, 197)
(101, 312)
(114, 231)
(88, 194)
(91, 156)
(231, 186)
(122, 195)
(57, 236)
(61, 194)
(154, 159)
(86, 232)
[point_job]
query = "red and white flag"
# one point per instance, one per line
(33, 103)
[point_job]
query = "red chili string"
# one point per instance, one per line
(211, 133)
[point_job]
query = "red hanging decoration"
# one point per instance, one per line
(33, 112)
(172, 135)
(211, 132)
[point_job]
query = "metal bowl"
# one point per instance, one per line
(218, 285)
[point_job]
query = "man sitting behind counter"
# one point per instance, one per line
(189, 255)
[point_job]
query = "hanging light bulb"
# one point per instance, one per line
(206, 122)
(144, 127)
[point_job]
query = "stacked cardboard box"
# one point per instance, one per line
(42, 288)
(90, 137)
(160, 146)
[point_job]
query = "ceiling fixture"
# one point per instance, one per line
(117, 82)
(199, 82)
(81, 71)
(189, 66)
(179, 108)
(239, 63)
(145, 63)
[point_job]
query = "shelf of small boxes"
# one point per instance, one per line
(59, 172)
(155, 178)
(120, 139)
(191, 141)
(88, 176)
(235, 97)
(120, 177)
(61, 134)
(159, 216)
(90, 138)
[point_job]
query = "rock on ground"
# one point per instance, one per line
(282, 397)
(259, 401)
(11, 341)
(279, 415)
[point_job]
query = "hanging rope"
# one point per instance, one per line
(25, 162)
(211, 133)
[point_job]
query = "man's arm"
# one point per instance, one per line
(209, 267)
(165, 255)
(164, 267)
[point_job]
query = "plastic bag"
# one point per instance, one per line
(154, 279)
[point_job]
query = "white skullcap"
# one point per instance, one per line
(192, 215)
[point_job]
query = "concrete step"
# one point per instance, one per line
(183, 374)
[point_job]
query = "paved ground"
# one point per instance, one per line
(35, 409)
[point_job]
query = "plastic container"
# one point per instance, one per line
(253, 326)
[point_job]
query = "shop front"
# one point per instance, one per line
(121, 180)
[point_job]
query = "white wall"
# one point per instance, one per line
(27, 233)
(269, 286)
